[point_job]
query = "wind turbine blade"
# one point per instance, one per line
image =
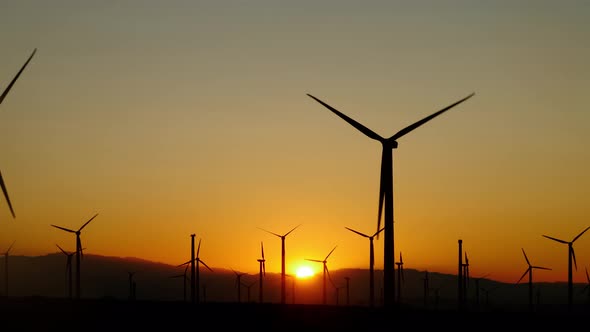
(263, 268)
(8, 250)
(65, 229)
(524, 274)
(379, 231)
(87, 222)
(359, 233)
(262, 249)
(426, 119)
(61, 249)
(6, 195)
(291, 230)
(330, 253)
(205, 265)
(185, 263)
(198, 249)
(16, 77)
(587, 277)
(352, 122)
(584, 231)
(382, 186)
(79, 245)
(269, 232)
(526, 258)
(554, 239)
(314, 260)
(540, 267)
(573, 253)
(400, 258)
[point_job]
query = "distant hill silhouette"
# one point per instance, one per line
(107, 277)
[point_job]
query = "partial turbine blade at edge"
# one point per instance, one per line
(16, 77)
(5, 191)
(573, 253)
(584, 231)
(426, 119)
(359, 233)
(554, 239)
(360, 127)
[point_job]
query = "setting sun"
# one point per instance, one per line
(304, 272)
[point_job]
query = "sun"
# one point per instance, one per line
(304, 272)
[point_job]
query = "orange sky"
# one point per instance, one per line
(176, 118)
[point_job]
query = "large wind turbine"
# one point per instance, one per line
(371, 263)
(386, 189)
(6, 253)
(326, 273)
(570, 256)
(79, 252)
(529, 271)
(1, 99)
(283, 290)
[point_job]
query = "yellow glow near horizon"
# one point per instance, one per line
(304, 271)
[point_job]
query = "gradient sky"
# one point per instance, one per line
(176, 117)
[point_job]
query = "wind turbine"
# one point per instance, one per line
(239, 283)
(132, 285)
(4, 190)
(570, 256)
(184, 280)
(326, 273)
(400, 277)
(262, 272)
(6, 269)
(529, 271)
(386, 188)
(465, 277)
(68, 269)
(282, 237)
(477, 289)
(79, 252)
(197, 261)
(371, 263)
(426, 283)
(248, 286)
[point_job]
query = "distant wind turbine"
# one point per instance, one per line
(248, 286)
(261, 273)
(68, 270)
(132, 285)
(6, 253)
(371, 263)
(570, 256)
(326, 273)
(2, 184)
(587, 287)
(239, 283)
(79, 252)
(400, 277)
(529, 271)
(185, 278)
(465, 276)
(197, 261)
(282, 237)
(386, 188)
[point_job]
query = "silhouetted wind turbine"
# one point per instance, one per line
(371, 263)
(477, 289)
(248, 286)
(239, 283)
(185, 278)
(79, 252)
(326, 273)
(131, 285)
(400, 277)
(197, 261)
(426, 284)
(570, 256)
(261, 273)
(6, 253)
(2, 184)
(529, 271)
(68, 270)
(282, 237)
(465, 276)
(386, 188)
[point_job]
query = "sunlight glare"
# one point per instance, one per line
(304, 272)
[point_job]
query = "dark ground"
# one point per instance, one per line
(49, 314)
